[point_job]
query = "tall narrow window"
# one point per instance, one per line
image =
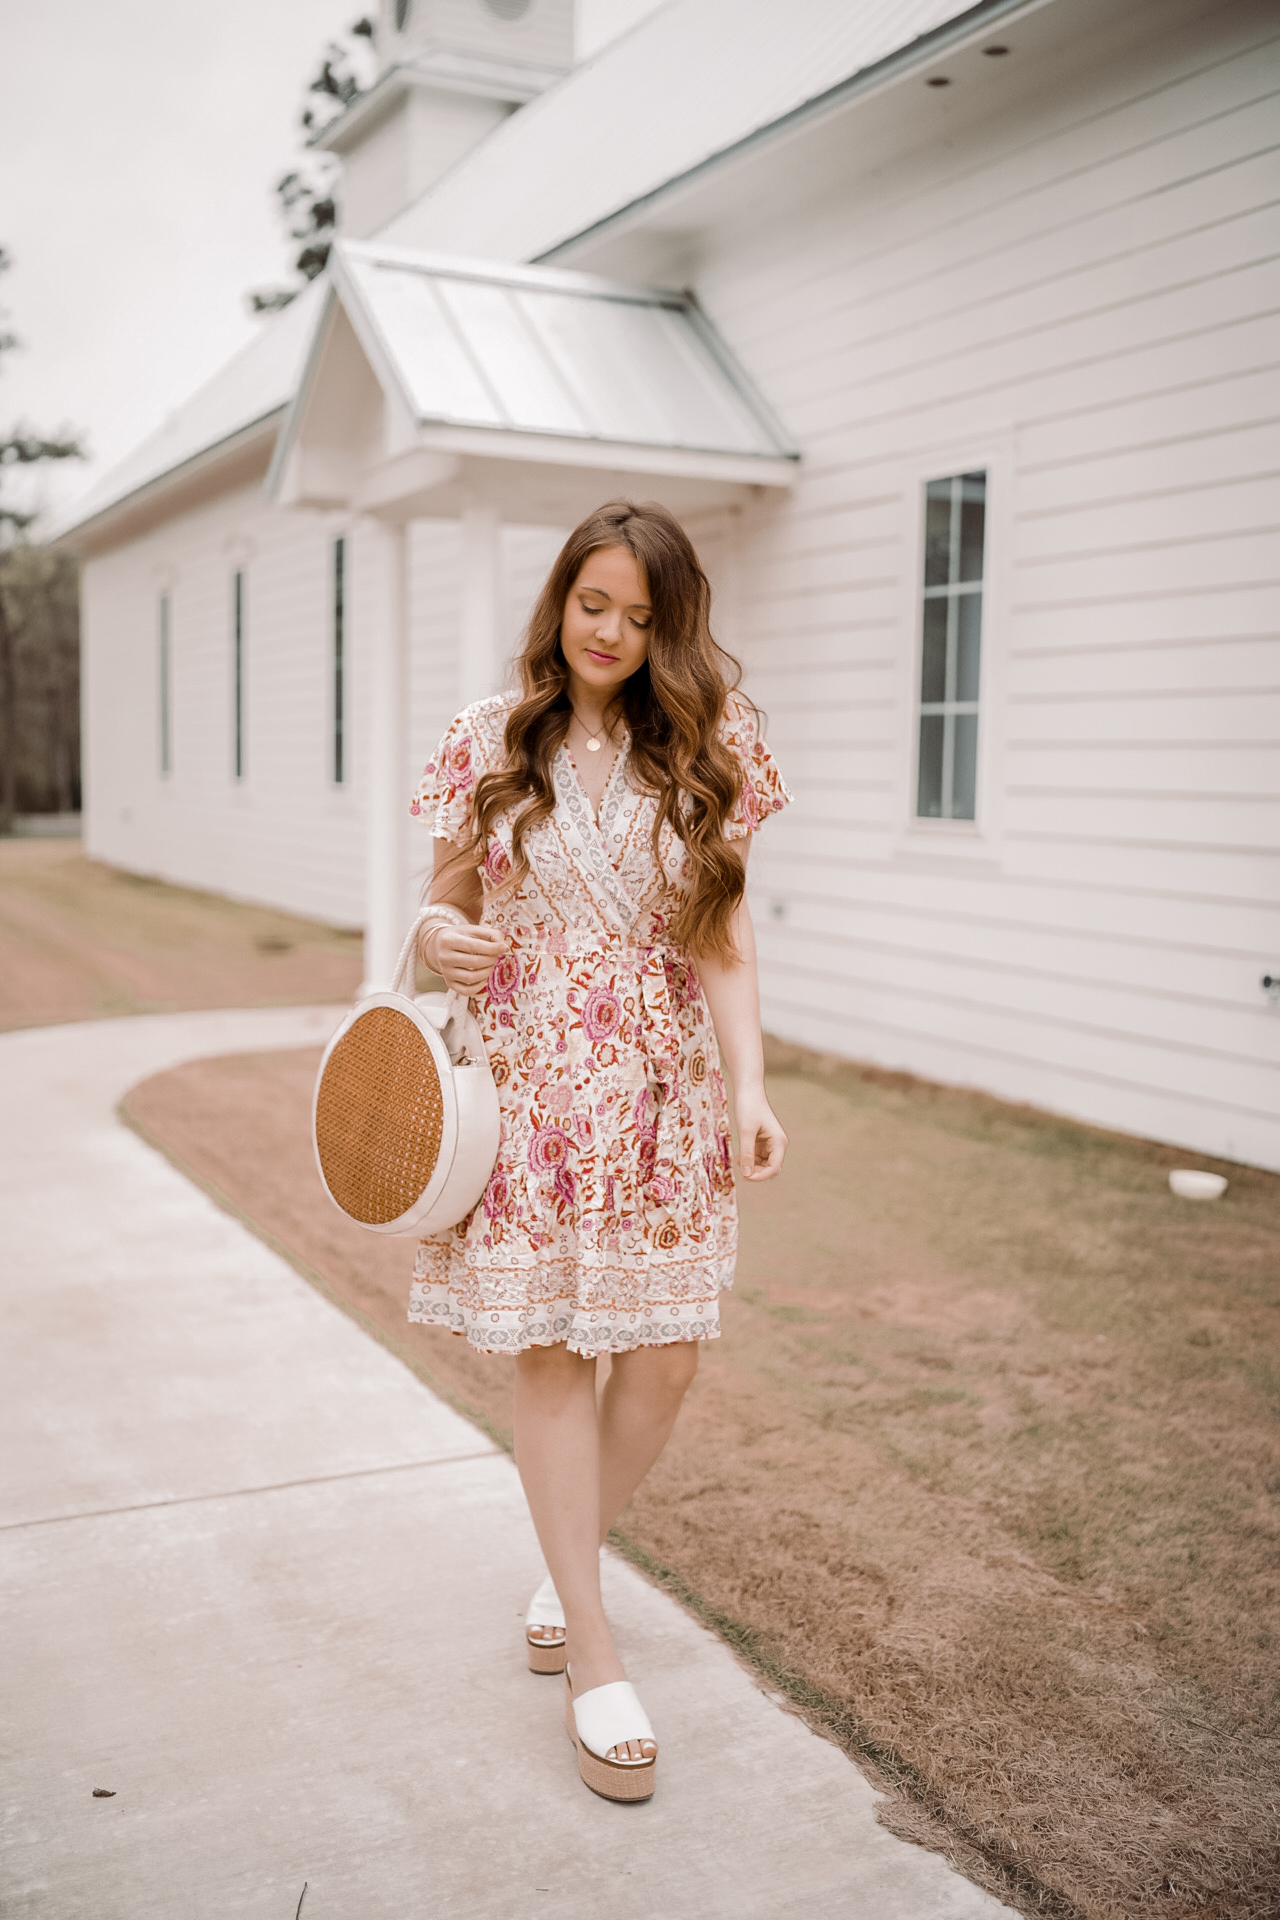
(237, 675)
(339, 662)
(165, 688)
(951, 647)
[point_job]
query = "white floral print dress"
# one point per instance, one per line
(609, 1221)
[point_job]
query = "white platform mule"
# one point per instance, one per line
(602, 1722)
(544, 1630)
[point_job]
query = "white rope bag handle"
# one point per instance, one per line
(402, 980)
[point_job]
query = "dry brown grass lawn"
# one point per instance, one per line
(983, 1474)
(82, 941)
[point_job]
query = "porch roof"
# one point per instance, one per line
(481, 357)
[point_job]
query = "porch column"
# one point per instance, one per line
(387, 749)
(480, 637)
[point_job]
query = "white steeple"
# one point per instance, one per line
(448, 72)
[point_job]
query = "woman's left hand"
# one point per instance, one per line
(761, 1142)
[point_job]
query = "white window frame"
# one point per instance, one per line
(977, 840)
(338, 658)
(952, 592)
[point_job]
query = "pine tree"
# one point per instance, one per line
(39, 640)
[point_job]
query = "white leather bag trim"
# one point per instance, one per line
(472, 1120)
(479, 1127)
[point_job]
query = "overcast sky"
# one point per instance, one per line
(140, 141)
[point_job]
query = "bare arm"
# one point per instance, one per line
(463, 958)
(732, 990)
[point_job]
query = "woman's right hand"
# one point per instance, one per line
(463, 956)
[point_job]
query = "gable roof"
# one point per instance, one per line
(690, 84)
(434, 380)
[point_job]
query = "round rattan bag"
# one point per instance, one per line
(405, 1113)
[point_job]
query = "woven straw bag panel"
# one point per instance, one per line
(379, 1117)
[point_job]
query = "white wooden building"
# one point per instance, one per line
(968, 393)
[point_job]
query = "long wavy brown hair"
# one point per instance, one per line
(673, 706)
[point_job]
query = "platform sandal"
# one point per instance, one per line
(598, 1723)
(544, 1633)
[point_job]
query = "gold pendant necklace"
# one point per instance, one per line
(593, 739)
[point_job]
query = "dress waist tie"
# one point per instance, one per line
(661, 1042)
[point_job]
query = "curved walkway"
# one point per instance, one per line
(259, 1583)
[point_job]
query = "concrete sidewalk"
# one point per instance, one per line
(265, 1587)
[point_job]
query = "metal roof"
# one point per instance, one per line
(538, 351)
(693, 80)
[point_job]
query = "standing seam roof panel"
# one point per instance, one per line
(536, 356)
(490, 320)
(437, 367)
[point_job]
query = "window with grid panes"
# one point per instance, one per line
(338, 666)
(951, 647)
(237, 676)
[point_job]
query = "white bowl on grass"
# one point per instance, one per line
(1189, 1183)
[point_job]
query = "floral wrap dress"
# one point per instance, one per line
(609, 1220)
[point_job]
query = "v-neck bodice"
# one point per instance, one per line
(595, 882)
(605, 860)
(617, 770)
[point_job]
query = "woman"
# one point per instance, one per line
(588, 894)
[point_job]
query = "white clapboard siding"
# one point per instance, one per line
(989, 894)
(283, 835)
(1124, 1084)
(1052, 170)
(1017, 987)
(1243, 608)
(1201, 664)
(1224, 457)
(892, 267)
(529, 554)
(435, 620)
(1086, 293)
(1231, 389)
(435, 600)
(1106, 960)
(1248, 714)
(1188, 516)
(1189, 769)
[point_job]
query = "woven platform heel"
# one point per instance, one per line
(598, 1723)
(544, 1633)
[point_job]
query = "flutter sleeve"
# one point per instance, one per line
(764, 791)
(443, 794)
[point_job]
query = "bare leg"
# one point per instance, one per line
(558, 1454)
(638, 1409)
(580, 1464)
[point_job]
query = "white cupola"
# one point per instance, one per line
(448, 72)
